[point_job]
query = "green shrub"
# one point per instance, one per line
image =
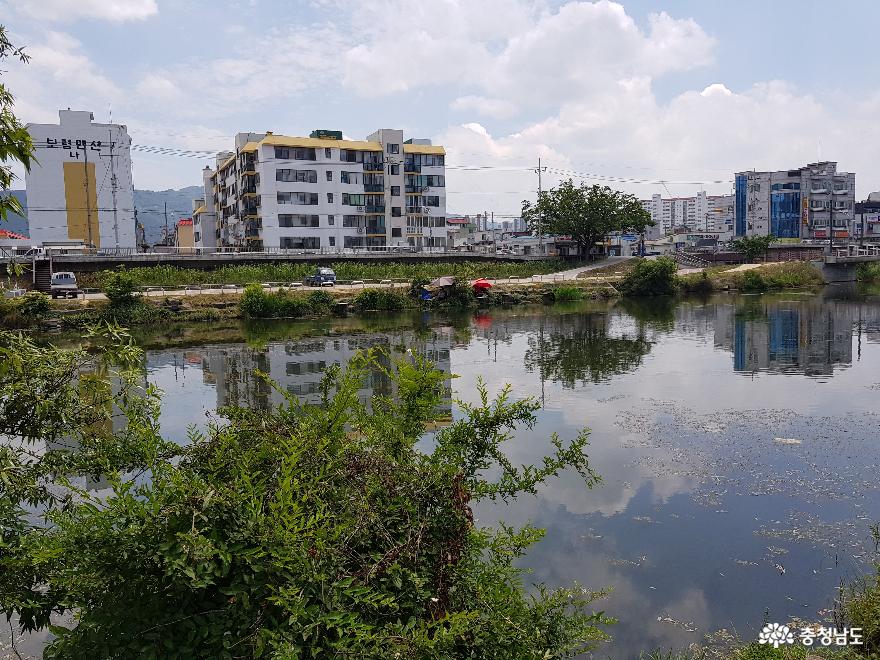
(696, 283)
(33, 304)
(752, 281)
(567, 293)
(320, 302)
(416, 286)
(120, 287)
(650, 278)
(254, 303)
(460, 294)
(379, 299)
(868, 272)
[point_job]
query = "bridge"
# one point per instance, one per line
(842, 262)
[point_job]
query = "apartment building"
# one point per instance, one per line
(795, 204)
(866, 224)
(700, 212)
(79, 187)
(325, 193)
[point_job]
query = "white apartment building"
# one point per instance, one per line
(325, 193)
(79, 187)
(701, 212)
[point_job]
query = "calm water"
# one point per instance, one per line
(736, 437)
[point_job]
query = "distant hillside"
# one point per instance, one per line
(150, 205)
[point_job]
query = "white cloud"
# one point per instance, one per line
(495, 108)
(69, 10)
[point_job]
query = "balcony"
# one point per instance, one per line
(416, 190)
(373, 187)
(249, 190)
(374, 230)
(375, 209)
(841, 191)
(249, 167)
(412, 168)
(374, 165)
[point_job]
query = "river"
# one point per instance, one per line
(736, 437)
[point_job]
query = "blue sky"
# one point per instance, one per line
(633, 94)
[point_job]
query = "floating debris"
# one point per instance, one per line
(787, 441)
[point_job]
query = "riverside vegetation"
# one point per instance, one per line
(304, 531)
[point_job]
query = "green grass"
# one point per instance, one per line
(567, 293)
(296, 271)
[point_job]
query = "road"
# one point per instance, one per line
(210, 289)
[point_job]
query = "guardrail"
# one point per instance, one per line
(855, 250)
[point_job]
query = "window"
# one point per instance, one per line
(327, 153)
(395, 191)
(395, 168)
(393, 148)
(332, 241)
(395, 211)
(329, 175)
(298, 198)
(197, 236)
(395, 232)
(352, 221)
(349, 199)
(298, 176)
(297, 220)
(329, 198)
(294, 153)
(300, 243)
(331, 220)
(351, 177)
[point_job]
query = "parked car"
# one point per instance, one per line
(321, 277)
(63, 285)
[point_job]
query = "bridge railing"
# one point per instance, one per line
(855, 250)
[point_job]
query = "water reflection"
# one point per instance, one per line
(699, 500)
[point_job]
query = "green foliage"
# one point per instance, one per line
(33, 304)
(416, 286)
(380, 299)
(15, 142)
(868, 272)
(121, 287)
(303, 531)
(257, 303)
(293, 271)
(567, 293)
(460, 294)
(752, 280)
(650, 277)
(753, 246)
(698, 283)
(586, 213)
(320, 302)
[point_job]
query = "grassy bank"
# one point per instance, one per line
(345, 270)
(258, 303)
(789, 275)
(868, 272)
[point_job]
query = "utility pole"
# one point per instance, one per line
(88, 201)
(113, 193)
(494, 240)
(540, 228)
(166, 222)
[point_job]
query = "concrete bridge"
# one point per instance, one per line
(842, 263)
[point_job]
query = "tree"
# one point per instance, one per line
(650, 277)
(753, 246)
(586, 213)
(15, 142)
(302, 531)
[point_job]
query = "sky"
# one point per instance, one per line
(649, 97)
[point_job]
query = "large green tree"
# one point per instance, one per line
(15, 142)
(586, 213)
(302, 531)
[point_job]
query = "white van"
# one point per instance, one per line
(63, 285)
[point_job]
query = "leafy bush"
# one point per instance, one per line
(256, 303)
(320, 302)
(753, 246)
(868, 272)
(416, 286)
(752, 281)
(379, 299)
(650, 278)
(304, 531)
(460, 294)
(567, 293)
(33, 304)
(120, 286)
(699, 283)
